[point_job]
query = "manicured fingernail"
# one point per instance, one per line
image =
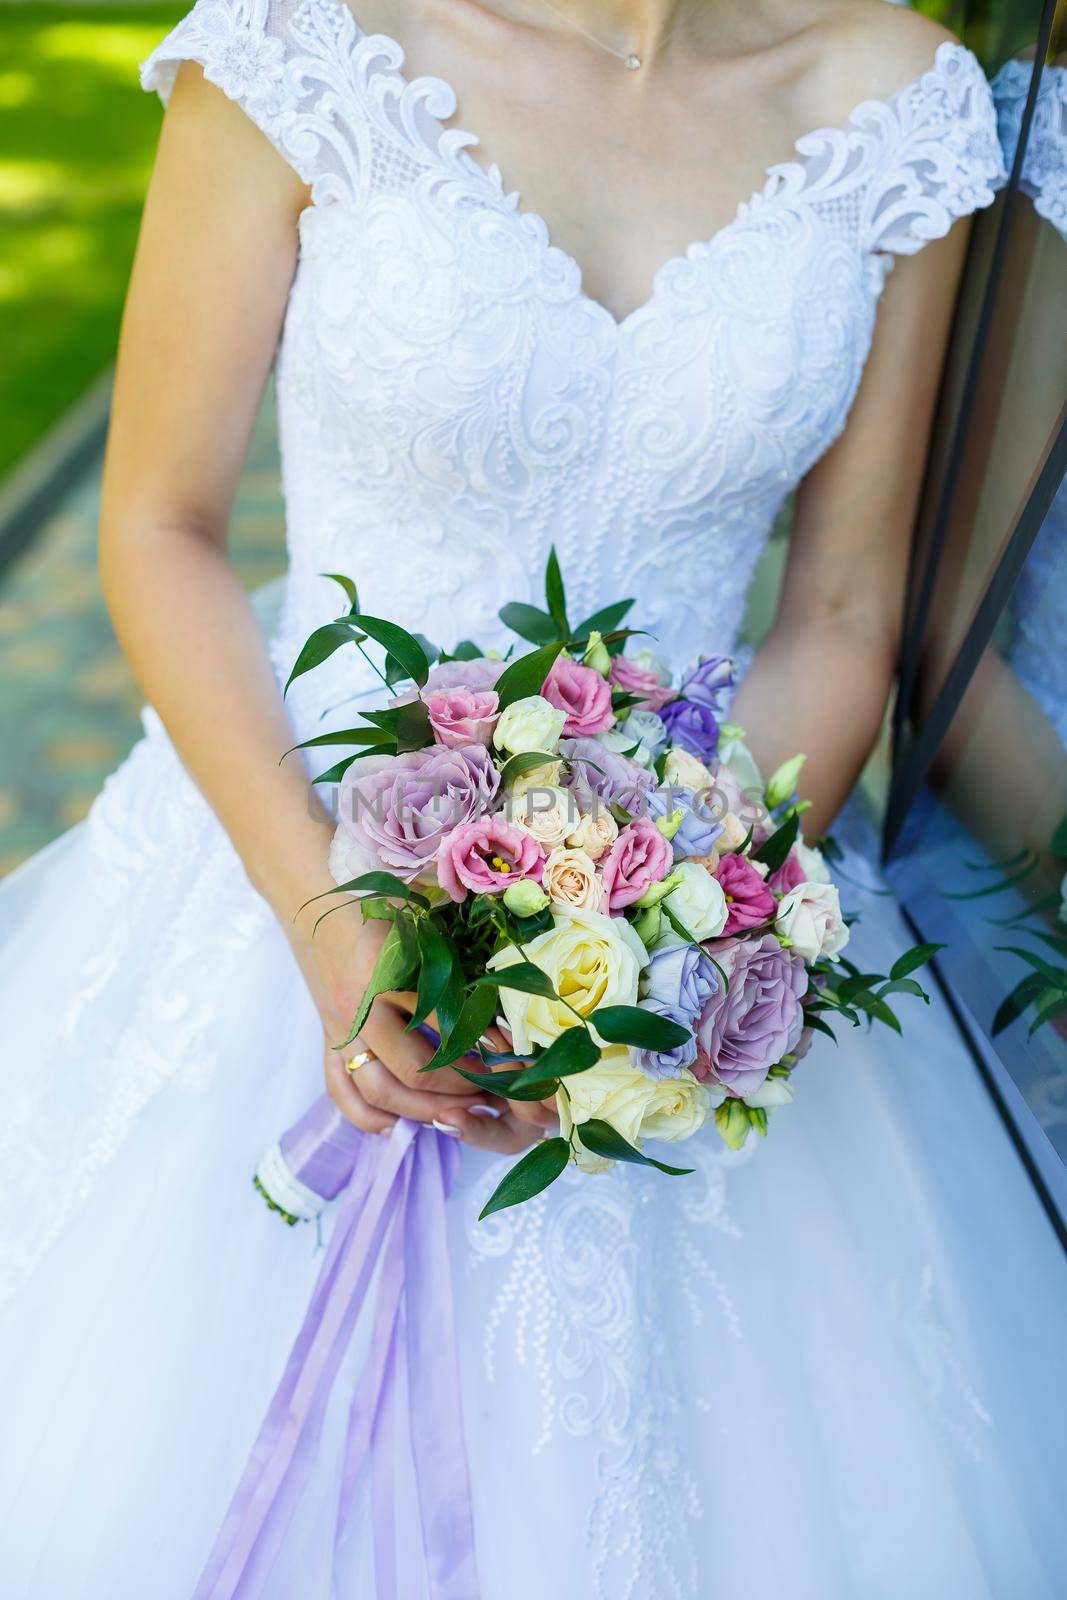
(485, 1111)
(446, 1127)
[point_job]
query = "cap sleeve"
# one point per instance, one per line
(284, 62)
(941, 158)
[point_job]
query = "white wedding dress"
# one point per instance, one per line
(830, 1367)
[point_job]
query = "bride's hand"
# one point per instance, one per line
(337, 963)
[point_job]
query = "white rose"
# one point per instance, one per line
(809, 916)
(646, 729)
(735, 754)
(592, 959)
(546, 814)
(533, 723)
(570, 880)
(615, 739)
(813, 863)
(734, 833)
(636, 1106)
(681, 770)
(698, 902)
(595, 833)
(772, 1092)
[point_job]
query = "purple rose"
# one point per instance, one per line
(395, 811)
(699, 829)
(477, 675)
(706, 683)
(693, 726)
(667, 1063)
(597, 773)
(748, 899)
(746, 1029)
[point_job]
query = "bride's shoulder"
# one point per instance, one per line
(863, 50)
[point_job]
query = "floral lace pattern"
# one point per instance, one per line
(1044, 174)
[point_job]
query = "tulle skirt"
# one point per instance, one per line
(829, 1366)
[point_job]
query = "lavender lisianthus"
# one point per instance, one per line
(744, 1030)
(395, 811)
(699, 828)
(693, 726)
(667, 1063)
(706, 682)
(597, 773)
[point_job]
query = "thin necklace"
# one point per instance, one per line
(630, 59)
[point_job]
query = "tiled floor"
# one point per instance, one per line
(68, 702)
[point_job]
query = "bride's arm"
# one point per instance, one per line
(821, 681)
(207, 300)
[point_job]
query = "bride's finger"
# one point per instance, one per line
(405, 1054)
(341, 1088)
(501, 1135)
(381, 1089)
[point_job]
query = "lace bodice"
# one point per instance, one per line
(452, 402)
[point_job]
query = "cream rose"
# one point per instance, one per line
(570, 881)
(546, 777)
(595, 833)
(734, 833)
(812, 862)
(697, 901)
(533, 723)
(548, 814)
(681, 770)
(809, 916)
(636, 1106)
(592, 960)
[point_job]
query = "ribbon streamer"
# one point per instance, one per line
(390, 1226)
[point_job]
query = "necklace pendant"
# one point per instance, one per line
(633, 62)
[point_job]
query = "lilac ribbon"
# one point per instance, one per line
(391, 1224)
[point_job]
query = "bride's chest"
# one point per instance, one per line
(438, 325)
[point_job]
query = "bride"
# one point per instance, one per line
(831, 1368)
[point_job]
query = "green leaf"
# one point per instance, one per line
(1014, 1004)
(401, 645)
(346, 584)
(1033, 959)
(467, 650)
(633, 1025)
(495, 1082)
(437, 957)
(1058, 842)
(538, 1168)
(320, 646)
(877, 1009)
(555, 596)
(602, 1139)
(391, 971)
(605, 621)
(517, 766)
(913, 959)
(377, 883)
(1049, 1005)
(528, 622)
(774, 850)
(811, 1020)
(574, 1051)
(413, 730)
(903, 986)
(477, 1013)
(335, 773)
(527, 674)
(521, 975)
(343, 736)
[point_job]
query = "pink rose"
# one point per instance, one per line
(583, 694)
(641, 681)
(640, 857)
(486, 855)
(462, 716)
(749, 902)
(789, 874)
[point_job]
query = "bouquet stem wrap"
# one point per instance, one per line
(390, 1227)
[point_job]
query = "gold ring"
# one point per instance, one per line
(358, 1061)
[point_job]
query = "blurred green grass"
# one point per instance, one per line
(77, 144)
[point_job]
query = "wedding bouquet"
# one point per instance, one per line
(572, 843)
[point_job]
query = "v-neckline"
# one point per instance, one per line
(463, 142)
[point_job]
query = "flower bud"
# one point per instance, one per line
(525, 898)
(656, 891)
(648, 926)
(731, 1119)
(783, 782)
(596, 655)
(669, 826)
